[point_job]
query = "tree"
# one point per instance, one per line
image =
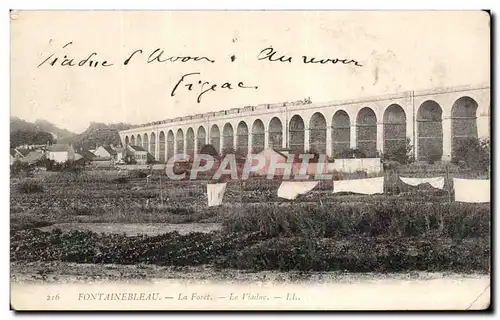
(21, 137)
(209, 149)
(315, 154)
(474, 152)
(400, 153)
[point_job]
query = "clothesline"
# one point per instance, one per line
(465, 190)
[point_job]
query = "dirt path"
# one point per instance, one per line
(132, 229)
(55, 272)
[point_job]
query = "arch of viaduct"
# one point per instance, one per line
(432, 121)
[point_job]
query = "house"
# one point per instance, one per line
(34, 156)
(61, 152)
(105, 152)
(137, 153)
(18, 154)
(85, 154)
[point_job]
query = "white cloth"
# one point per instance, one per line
(437, 182)
(291, 189)
(215, 193)
(363, 186)
(469, 190)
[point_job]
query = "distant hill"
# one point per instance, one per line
(17, 124)
(99, 134)
(96, 134)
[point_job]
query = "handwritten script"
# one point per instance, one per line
(190, 81)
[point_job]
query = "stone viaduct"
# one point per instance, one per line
(432, 121)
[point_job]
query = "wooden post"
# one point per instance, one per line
(448, 181)
(161, 192)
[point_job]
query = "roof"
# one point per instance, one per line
(138, 148)
(109, 150)
(23, 152)
(33, 156)
(59, 147)
(87, 155)
(270, 151)
(101, 159)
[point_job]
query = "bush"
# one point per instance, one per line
(20, 168)
(363, 255)
(352, 153)
(209, 149)
(227, 151)
(433, 158)
(345, 220)
(30, 186)
(401, 153)
(71, 166)
(120, 180)
(138, 173)
(474, 152)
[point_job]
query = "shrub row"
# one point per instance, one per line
(90, 247)
(364, 255)
(344, 220)
(254, 251)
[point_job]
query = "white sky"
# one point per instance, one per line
(398, 50)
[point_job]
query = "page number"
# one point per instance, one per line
(53, 297)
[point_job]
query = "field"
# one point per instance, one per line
(106, 218)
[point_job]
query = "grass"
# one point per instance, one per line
(345, 220)
(30, 186)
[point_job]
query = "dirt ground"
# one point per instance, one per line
(63, 272)
(132, 229)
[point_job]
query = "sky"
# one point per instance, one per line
(398, 51)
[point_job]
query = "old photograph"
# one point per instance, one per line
(250, 160)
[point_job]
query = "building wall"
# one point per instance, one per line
(141, 157)
(175, 138)
(58, 156)
(101, 152)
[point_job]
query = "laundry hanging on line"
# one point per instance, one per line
(470, 190)
(363, 186)
(437, 182)
(292, 189)
(215, 193)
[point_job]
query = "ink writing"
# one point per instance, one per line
(205, 86)
(270, 54)
(159, 56)
(88, 60)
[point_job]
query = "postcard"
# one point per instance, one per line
(250, 160)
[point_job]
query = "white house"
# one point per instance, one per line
(61, 152)
(138, 153)
(106, 152)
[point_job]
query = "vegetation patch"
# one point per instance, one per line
(30, 186)
(345, 220)
(254, 251)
